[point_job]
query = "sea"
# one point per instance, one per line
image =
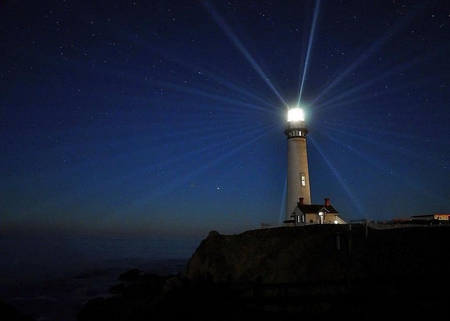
(51, 278)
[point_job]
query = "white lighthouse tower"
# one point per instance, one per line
(297, 163)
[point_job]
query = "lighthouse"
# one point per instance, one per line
(297, 163)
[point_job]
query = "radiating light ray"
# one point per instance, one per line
(308, 52)
(414, 184)
(220, 139)
(131, 37)
(375, 47)
(146, 80)
(215, 96)
(424, 157)
(163, 190)
(192, 88)
(357, 152)
(341, 181)
(213, 128)
(231, 35)
(196, 91)
(167, 164)
(181, 61)
(352, 92)
(216, 140)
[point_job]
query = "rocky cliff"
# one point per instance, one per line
(290, 272)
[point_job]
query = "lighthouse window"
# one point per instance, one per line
(303, 176)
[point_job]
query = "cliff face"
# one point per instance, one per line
(321, 253)
(313, 271)
(327, 270)
(277, 255)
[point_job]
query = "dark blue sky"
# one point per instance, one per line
(166, 117)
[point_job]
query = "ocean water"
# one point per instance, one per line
(51, 278)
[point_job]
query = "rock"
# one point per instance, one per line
(10, 313)
(118, 288)
(130, 275)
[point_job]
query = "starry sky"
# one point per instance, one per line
(166, 117)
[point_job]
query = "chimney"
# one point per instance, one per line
(327, 201)
(300, 200)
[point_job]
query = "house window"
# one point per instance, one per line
(303, 178)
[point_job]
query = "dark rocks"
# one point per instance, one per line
(130, 275)
(10, 313)
(133, 298)
(118, 288)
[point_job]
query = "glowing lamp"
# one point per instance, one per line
(295, 114)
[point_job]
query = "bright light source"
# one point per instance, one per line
(295, 114)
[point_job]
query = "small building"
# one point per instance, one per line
(308, 214)
(427, 217)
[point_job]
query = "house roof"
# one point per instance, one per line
(315, 209)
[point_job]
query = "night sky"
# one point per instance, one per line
(166, 118)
